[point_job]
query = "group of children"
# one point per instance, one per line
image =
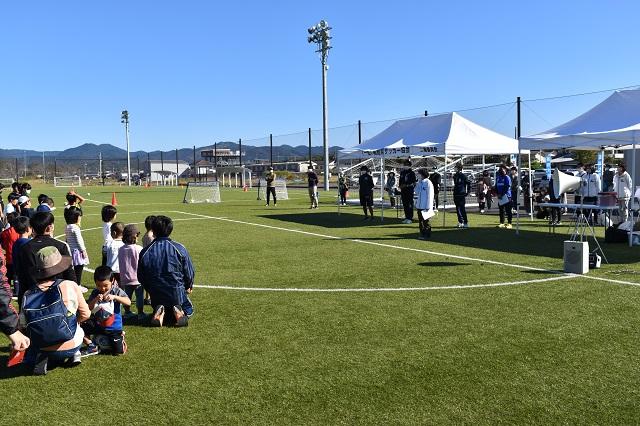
(115, 280)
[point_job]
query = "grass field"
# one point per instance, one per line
(383, 328)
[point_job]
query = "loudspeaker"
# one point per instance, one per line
(563, 182)
(576, 257)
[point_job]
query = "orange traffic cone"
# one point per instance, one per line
(244, 188)
(114, 200)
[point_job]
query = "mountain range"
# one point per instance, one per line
(90, 151)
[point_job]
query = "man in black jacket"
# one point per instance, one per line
(42, 225)
(365, 182)
(461, 188)
(436, 179)
(407, 184)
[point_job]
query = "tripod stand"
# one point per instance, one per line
(582, 229)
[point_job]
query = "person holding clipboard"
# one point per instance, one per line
(424, 203)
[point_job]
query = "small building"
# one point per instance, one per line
(288, 166)
(221, 156)
(167, 172)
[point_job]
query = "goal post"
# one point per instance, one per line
(67, 181)
(202, 192)
(281, 189)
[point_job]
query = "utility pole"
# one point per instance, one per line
(320, 34)
(124, 118)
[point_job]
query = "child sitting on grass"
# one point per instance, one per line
(108, 214)
(105, 324)
(117, 228)
(128, 256)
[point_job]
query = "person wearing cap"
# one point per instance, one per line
(48, 268)
(407, 183)
(42, 224)
(25, 206)
(312, 180)
(366, 185)
(166, 271)
(390, 187)
(270, 177)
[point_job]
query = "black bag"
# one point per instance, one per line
(614, 235)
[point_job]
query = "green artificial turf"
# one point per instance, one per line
(560, 351)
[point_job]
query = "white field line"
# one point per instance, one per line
(559, 277)
(355, 240)
(381, 289)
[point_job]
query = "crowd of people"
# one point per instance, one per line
(54, 323)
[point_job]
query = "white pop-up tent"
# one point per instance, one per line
(613, 123)
(444, 134)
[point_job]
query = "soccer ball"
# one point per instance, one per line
(88, 194)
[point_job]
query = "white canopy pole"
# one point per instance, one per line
(633, 182)
(530, 188)
(381, 187)
(444, 207)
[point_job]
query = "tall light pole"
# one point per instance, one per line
(320, 35)
(124, 118)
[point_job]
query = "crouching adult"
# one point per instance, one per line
(165, 270)
(51, 313)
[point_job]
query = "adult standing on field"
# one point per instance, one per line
(622, 186)
(270, 177)
(366, 185)
(461, 188)
(503, 190)
(407, 184)
(436, 180)
(424, 203)
(166, 271)
(312, 180)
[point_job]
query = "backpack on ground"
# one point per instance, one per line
(49, 322)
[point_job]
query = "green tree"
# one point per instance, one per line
(586, 157)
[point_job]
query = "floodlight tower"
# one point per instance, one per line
(320, 34)
(124, 118)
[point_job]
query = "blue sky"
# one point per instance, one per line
(195, 72)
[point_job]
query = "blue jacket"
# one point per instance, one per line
(503, 185)
(165, 270)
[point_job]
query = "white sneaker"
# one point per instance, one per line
(407, 221)
(459, 225)
(465, 226)
(482, 211)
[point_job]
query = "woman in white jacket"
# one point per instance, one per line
(622, 186)
(424, 203)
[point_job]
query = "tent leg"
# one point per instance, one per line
(444, 206)
(382, 188)
(530, 188)
(633, 182)
(518, 193)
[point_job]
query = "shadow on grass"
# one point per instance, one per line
(533, 239)
(443, 264)
(330, 219)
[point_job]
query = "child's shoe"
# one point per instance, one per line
(91, 349)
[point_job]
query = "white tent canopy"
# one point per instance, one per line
(612, 123)
(450, 134)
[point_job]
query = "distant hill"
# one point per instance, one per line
(90, 151)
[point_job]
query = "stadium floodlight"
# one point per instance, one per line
(320, 34)
(124, 118)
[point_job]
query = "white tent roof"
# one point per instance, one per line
(434, 135)
(613, 122)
